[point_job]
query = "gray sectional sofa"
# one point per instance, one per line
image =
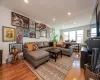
(40, 55)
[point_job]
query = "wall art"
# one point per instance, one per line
(48, 32)
(26, 33)
(8, 34)
(19, 35)
(37, 26)
(43, 33)
(32, 23)
(32, 33)
(37, 34)
(88, 33)
(14, 46)
(19, 20)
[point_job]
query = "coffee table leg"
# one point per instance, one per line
(55, 57)
(61, 54)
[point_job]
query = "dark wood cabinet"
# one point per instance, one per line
(1, 57)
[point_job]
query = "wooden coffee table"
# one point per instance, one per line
(54, 52)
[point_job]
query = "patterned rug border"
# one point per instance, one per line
(38, 75)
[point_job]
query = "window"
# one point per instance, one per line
(72, 35)
(93, 32)
(79, 36)
(66, 36)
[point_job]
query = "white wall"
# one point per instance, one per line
(5, 20)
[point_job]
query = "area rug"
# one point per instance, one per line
(52, 70)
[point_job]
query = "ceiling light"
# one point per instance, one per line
(63, 25)
(54, 19)
(74, 23)
(26, 1)
(69, 13)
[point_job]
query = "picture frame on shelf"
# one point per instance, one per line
(8, 34)
(37, 34)
(19, 20)
(19, 35)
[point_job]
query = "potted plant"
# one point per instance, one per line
(61, 38)
(54, 39)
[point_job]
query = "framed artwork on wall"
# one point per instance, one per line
(14, 46)
(8, 34)
(26, 33)
(32, 33)
(37, 26)
(19, 35)
(88, 33)
(43, 33)
(48, 32)
(19, 20)
(32, 23)
(37, 34)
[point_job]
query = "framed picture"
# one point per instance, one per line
(88, 33)
(19, 35)
(48, 32)
(19, 20)
(26, 33)
(37, 26)
(32, 23)
(32, 33)
(51, 32)
(8, 34)
(43, 33)
(37, 34)
(14, 46)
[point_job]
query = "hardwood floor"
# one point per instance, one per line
(22, 72)
(16, 72)
(76, 73)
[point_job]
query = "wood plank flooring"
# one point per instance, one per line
(76, 73)
(22, 72)
(18, 71)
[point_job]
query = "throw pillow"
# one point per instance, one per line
(30, 47)
(63, 45)
(36, 46)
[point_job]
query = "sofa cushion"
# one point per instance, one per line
(46, 44)
(65, 50)
(40, 44)
(46, 48)
(38, 54)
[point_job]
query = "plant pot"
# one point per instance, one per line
(54, 44)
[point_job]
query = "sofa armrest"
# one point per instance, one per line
(25, 52)
(71, 49)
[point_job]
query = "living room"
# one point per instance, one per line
(47, 40)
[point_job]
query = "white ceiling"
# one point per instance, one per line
(46, 10)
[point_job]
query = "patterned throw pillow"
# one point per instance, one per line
(30, 46)
(36, 47)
